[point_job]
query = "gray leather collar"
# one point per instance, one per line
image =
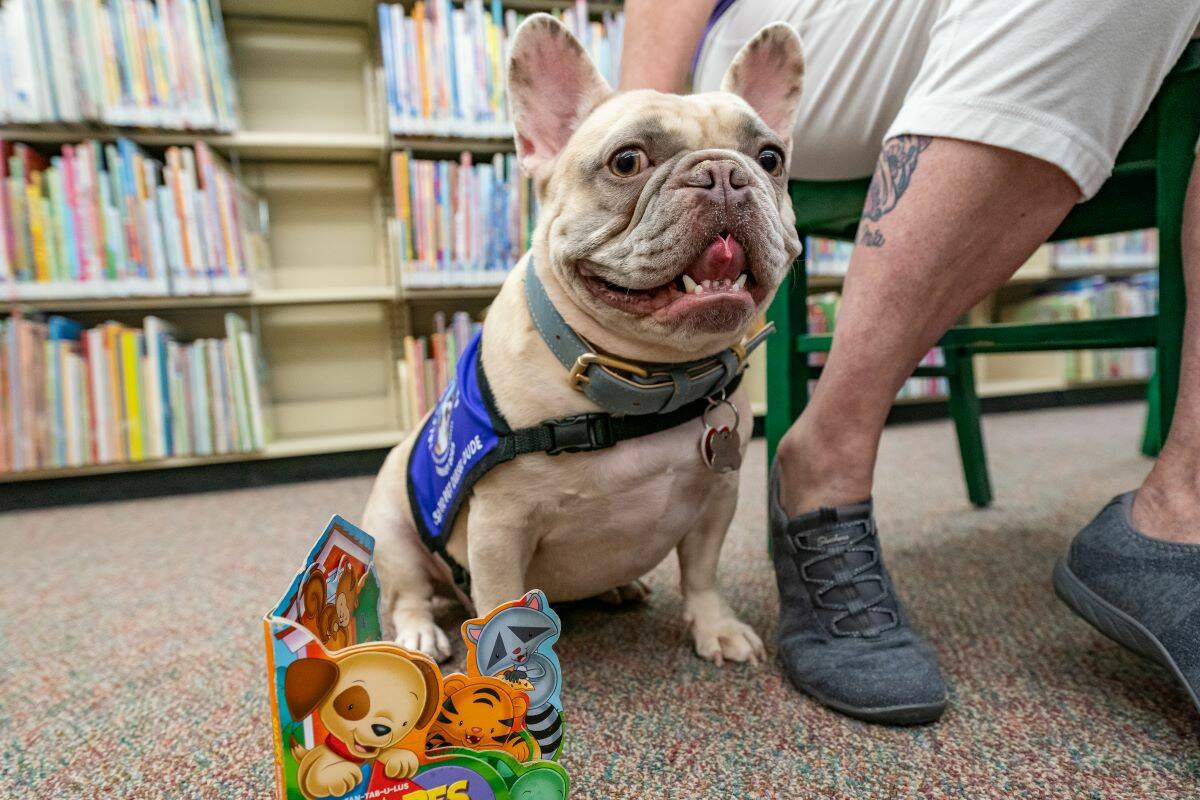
(628, 387)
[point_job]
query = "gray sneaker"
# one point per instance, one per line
(1140, 592)
(844, 638)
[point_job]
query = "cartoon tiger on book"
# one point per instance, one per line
(482, 713)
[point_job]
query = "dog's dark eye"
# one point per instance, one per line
(771, 159)
(628, 162)
(352, 704)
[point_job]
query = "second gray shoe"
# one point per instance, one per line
(1140, 592)
(844, 638)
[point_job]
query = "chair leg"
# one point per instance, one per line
(787, 370)
(1152, 434)
(1177, 131)
(964, 409)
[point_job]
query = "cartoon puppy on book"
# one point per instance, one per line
(368, 698)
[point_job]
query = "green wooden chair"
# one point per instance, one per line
(1146, 190)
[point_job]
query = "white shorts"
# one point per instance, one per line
(1065, 81)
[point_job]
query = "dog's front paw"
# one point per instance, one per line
(719, 635)
(416, 630)
(399, 763)
(335, 779)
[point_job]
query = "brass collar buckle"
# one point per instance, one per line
(577, 376)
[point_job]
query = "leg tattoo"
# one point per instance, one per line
(893, 173)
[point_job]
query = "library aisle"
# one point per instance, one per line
(270, 237)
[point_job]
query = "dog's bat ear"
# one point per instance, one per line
(433, 690)
(552, 86)
(306, 683)
(768, 73)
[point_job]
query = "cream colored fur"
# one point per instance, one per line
(585, 524)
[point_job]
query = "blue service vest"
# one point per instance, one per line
(459, 442)
(466, 436)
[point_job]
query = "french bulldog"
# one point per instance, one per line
(664, 229)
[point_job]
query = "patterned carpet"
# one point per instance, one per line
(131, 654)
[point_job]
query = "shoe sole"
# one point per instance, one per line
(1115, 623)
(917, 714)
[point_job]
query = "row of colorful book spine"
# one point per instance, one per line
(161, 64)
(429, 363)
(105, 220)
(444, 65)
(458, 223)
(822, 317)
(1131, 249)
(1095, 298)
(71, 397)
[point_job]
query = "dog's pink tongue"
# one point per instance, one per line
(724, 259)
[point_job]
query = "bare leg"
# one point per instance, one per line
(1168, 504)
(946, 223)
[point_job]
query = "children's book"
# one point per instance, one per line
(355, 717)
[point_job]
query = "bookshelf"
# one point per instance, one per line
(313, 142)
(329, 313)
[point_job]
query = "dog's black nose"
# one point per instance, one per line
(380, 730)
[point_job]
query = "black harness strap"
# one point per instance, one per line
(581, 433)
(584, 433)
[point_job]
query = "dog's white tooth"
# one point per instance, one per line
(689, 285)
(741, 281)
(699, 289)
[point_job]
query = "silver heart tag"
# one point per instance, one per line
(720, 445)
(722, 449)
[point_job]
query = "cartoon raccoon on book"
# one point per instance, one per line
(510, 645)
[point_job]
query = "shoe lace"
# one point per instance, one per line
(850, 579)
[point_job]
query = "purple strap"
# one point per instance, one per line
(718, 12)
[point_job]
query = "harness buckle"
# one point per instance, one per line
(580, 434)
(577, 378)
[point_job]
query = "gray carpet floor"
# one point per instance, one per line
(131, 661)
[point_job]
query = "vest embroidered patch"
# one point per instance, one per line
(454, 450)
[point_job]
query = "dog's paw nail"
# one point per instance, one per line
(729, 640)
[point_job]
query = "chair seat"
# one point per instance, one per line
(1126, 202)
(1026, 337)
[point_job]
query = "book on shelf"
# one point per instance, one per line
(71, 397)
(1095, 298)
(1132, 249)
(458, 223)
(428, 364)
(827, 256)
(822, 316)
(444, 64)
(162, 64)
(107, 220)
